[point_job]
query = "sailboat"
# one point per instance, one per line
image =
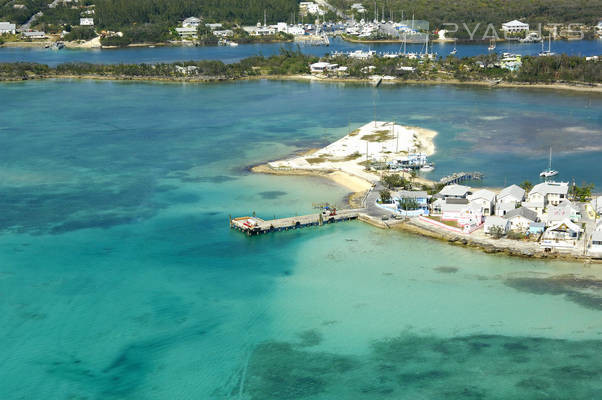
(491, 45)
(548, 52)
(548, 173)
(454, 51)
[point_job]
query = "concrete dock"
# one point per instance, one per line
(256, 226)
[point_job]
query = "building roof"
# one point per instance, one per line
(455, 190)
(537, 225)
(513, 190)
(515, 23)
(597, 236)
(7, 26)
(546, 188)
(456, 201)
(412, 194)
(522, 212)
(323, 64)
(566, 222)
(483, 194)
(495, 220)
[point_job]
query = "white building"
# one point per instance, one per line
(309, 7)
(549, 193)
(493, 221)
(7, 27)
(33, 35)
(191, 22)
(322, 67)
(508, 199)
(224, 33)
(86, 21)
(187, 33)
(515, 26)
(483, 199)
(521, 218)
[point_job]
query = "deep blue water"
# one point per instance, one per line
(229, 54)
(119, 277)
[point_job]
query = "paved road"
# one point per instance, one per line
(26, 26)
(371, 208)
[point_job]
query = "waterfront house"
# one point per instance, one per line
(461, 211)
(187, 33)
(563, 234)
(520, 218)
(7, 28)
(483, 199)
(455, 191)
(515, 27)
(450, 208)
(549, 193)
(536, 228)
(322, 67)
(214, 26)
(596, 243)
(224, 33)
(33, 35)
(343, 71)
(86, 21)
(564, 210)
(494, 221)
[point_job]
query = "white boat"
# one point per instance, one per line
(548, 52)
(232, 44)
(491, 45)
(427, 167)
(454, 51)
(549, 172)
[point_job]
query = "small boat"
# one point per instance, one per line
(548, 52)
(427, 167)
(491, 45)
(454, 51)
(549, 172)
(232, 44)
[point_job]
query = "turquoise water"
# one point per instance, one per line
(120, 279)
(229, 54)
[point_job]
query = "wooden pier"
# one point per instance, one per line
(459, 177)
(256, 226)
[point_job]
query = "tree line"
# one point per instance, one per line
(293, 62)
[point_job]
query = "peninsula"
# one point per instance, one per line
(380, 163)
